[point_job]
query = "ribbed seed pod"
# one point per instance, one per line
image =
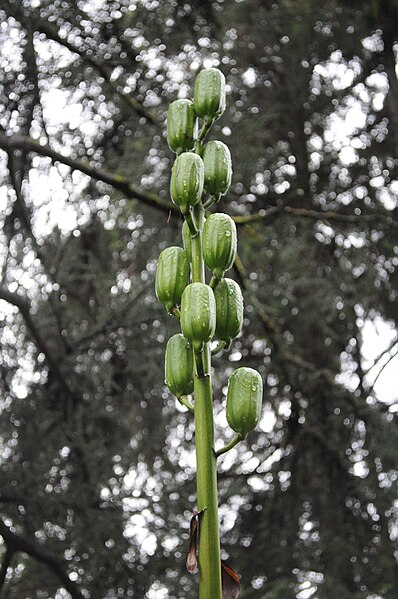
(209, 94)
(172, 276)
(179, 366)
(229, 310)
(218, 168)
(198, 314)
(186, 185)
(244, 399)
(181, 125)
(219, 243)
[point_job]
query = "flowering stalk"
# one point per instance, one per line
(206, 474)
(201, 175)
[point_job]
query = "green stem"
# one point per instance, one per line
(198, 268)
(207, 123)
(202, 134)
(184, 401)
(200, 368)
(212, 200)
(214, 281)
(175, 312)
(206, 477)
(219, 347)
(191, 224)
(230, 445)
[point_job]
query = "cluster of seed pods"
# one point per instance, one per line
(201, 174)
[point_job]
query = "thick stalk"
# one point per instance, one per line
(209, 539)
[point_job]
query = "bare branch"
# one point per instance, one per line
(5, 565)
(17, 543)
(24, 308)
(381, 356)
(392, 356)
(117, 181)
(150, 199)
(52, 34)
(327, 215)
(389, 39)
(102, 327)
(37, 23)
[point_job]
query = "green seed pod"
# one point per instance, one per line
(181, 125)
(218, 168)
(209, 95)
(179, 366)
(244, 399)
(229, 310)
(186, 185)
(198, 314)
(172, 276)
(219, 243)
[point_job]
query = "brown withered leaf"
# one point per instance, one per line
(230, 582)
(192, 562)
(230, 579)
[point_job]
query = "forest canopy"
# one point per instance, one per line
(97, 478)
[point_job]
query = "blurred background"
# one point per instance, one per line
(97, 478)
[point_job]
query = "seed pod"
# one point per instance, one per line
(244, 399)
(229, 310)
(218, 168)
(172, 276)
(181, 126)
(209, 95)
(198, 314)
(179, 366)
(219, 243)
(186, 185)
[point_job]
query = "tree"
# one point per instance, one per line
(97, 483)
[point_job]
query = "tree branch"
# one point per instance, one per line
(50, 33)
(37, 23)
(275, 337)
(17, 543)
(265, 215)
(119, 182)
(381, 356)
(392, 356)
(5, 565)
(122, 184)
(24, 309)
(102, 327)
(389, 37)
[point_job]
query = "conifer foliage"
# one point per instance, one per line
(98, 473)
